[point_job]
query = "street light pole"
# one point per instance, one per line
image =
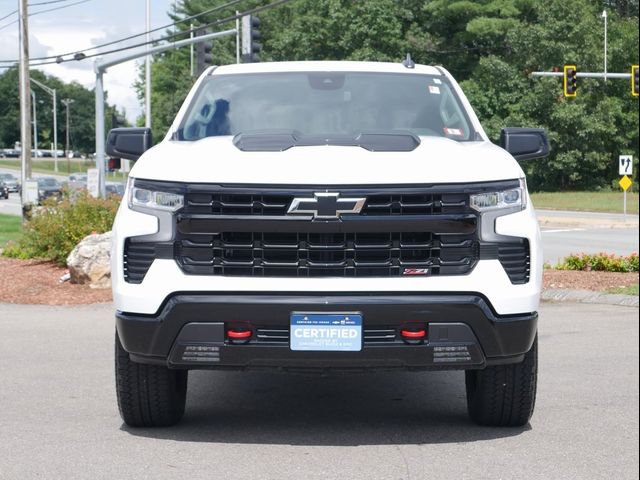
(52, 92)
(66, 102)
(147, 65)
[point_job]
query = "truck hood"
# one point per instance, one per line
(435, 160)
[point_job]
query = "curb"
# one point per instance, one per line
(587, 296)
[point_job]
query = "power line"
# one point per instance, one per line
(185, 32)
(45, 11)
(206, 12)
(33, 5)
(47, 3)
(8, 15)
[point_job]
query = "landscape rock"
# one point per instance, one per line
(89, 262)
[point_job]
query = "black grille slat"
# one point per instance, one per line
(342, 254)
(237, 204)
(137, 260)
(281, 335)
(516, 261)
(277, 204)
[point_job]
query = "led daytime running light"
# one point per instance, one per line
(506, 199)
(142, 197)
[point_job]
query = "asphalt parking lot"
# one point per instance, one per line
(60, 419)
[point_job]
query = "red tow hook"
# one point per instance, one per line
(239, 335)
(413, 336)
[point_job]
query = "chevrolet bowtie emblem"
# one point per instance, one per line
(325, 205)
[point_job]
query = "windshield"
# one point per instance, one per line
(326, 103)
(47, 182)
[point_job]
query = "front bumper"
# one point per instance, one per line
(463, 331)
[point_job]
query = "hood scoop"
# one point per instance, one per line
(279, 141)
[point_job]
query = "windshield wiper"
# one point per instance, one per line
(280, 140)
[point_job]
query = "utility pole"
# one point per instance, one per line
(52, 92)
(147, 65)
(191, 63)
(604, 15)
(237, 37)
(35, 123)
(66, 102)
(25, 120)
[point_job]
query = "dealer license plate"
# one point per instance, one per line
(326, 332)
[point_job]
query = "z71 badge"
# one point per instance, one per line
(416, 271)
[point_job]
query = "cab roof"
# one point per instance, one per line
(322, 66)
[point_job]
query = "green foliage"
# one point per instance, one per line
(592, 201)
(601, 262)
(491, 46)
(56, 228)
(10, 228)
(81, 112)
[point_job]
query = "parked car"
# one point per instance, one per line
(10, 181)
(11, 153)
(48, 187)
(114, 188)
(78, 177)
(359, 219)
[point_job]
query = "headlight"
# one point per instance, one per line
(515, 199)
(142, 197)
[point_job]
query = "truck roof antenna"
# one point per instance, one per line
(408, 63)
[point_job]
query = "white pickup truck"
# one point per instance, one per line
(326, 217)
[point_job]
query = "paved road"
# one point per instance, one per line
(564, 233)
(60, 419)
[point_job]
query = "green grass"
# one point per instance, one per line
(628, 290)
(10, 228)
(610, 202)
(64, 167)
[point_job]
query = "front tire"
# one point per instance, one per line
(148, 395)
(504, 395)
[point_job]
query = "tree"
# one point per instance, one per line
(492, 46)
(82, 112)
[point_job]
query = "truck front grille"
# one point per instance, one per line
(273, 204)
(234, 230)
(272, 254)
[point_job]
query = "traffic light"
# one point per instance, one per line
(204, 57)
(250, 36)
(570, 81)
(114, 164)
(118, 120)
(635, 80)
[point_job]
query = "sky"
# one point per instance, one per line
(82, 26)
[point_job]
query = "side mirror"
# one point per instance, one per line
(129, 143)
(525, 143)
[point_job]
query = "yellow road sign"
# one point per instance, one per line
(625, 182)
